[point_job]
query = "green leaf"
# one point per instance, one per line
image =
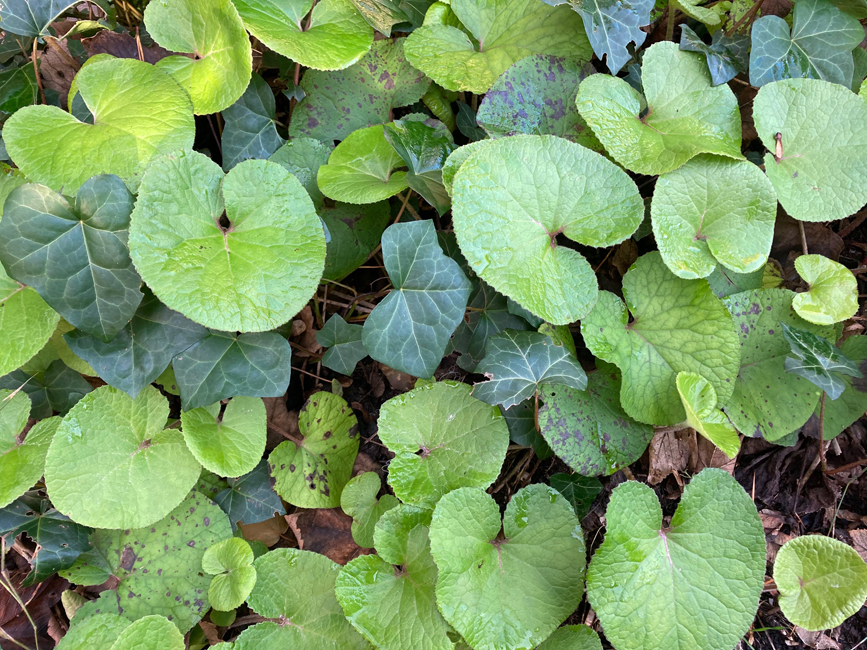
(22, 459)
(572, 637)
(536, 95)
(250, 499)
(522, 583)
(588, 429)
(252, 271)
(410, 329)
(833, 294)
(61, 347)
(297, 586)
(726, 56)
(497, 35)
(389, 598)
(509, 209)
(842, 412)
(821, 174)
(822, 581)
(358, 500)
(224, 365)
(150, 633)
(212, 30)
(142, 350)
(696, 583)
(698, 221)
(302, 157)
(678, 326)
(31, 17)
(457, 158)
(700, 401)
(818, 361)
(312, 473)
(110, 446)
(343, 341)
(517, 363)
(26, 321)
(382, 15)
(579, 490)
(95, 631)
(139, 113)
(17, 89)
(75, 256)
(819, 47)
(724, 282)
(229, 441)
(230, 562)
(686, 114)
(521, 420)
(355, 234)
(442, 439)
(54, 388)
(333, 37)
(250, 130)
(9, 179)
(338, 103)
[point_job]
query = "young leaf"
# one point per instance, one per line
(212, 30)
(696, 584)
(250, 131)
(698, 221)
(31, 17)
(358, 500)
(22, 460)
(678, 326)
(52, 388)
(312, 473)
(250, 498)
(410, 328)
(26, 321)
(240, 252)
(822, 581)
(579, 490)
(150, 633)
(522, 582)
(700, 402)
(443, 439)
(139, 113)
(572, 637)
(818, 361)
(726, 55)
(230, 562)
(842, 412)
(507, 220)
(833, 294)
(686, 114)
(333, 37)
(819, 131)
(109, 447)
(517, 363)
(343, 341)
(355, 233)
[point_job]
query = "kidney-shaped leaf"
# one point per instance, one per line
(95, 631)
(150, 633)
(833, 294)
(230, 562)
(358, 500)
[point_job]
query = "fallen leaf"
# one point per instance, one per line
(669, 454)
(122, 46)
(268, 532)
(859, 542)
(57, 68)
(326, 531)
(399, 381)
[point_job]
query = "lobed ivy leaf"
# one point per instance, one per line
(726, 56)
(22, 457)
(700, 403)
(230, 561)
(249, 130)
(355, 233)
(343, 341)
(695, 583)
(302, 157)
(359, 501)
(833, 293)
(31, 17)
(842, 412)
(580, 491)
(818, 361)
(18, 88)
(250, 499)
(56, 387)
(521, 420)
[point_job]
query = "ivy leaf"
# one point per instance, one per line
(410, 328)
(819, 47)
(26, 321)
(110, 446)
(230, 562)
(700, 401)
(698, 221)
(697, 582)
(54, 388)
(833, 293)
(139, 113)
(22, 459)
(572, 637)
(522, 583)
(250, 130)
(302, 157)
(338, 103)
(686, 115)
(509, 209)
(343, 341)
(727, 56)
(334, 36)
(818, 361)
(358, 500)
(224, 365)
(579, 490)
(443, 439)
(822, 581)
(31, 17)
(355, 234)
(250, 499)
(842, 412)
(313, 472)
(822, 172)
(678, 326)
(297, 586)
(18, 89)
(509, 31)
(517, 363)
(521, 420)
(220, 71)
(142, 350)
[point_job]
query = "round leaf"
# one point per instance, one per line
(833, 294)
(358, 500)
(302, 157)
(355, 233)
(230, 562)
(572, 637)
(150, 633)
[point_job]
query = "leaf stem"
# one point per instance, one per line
(669, 28)
(822, 435)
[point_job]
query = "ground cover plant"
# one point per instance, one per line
(419, 325)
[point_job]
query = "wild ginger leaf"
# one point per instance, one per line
(700, 403)
(22, 460)
(833, 293)
(230, 562)
(358, 500)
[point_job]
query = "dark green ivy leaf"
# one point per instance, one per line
(726, 55)
(17, 89)
(355, 231)
(250, 130)
(467, 123)
(818, 361)
(521, 420)
(57, 388)
(343, 341)
(250, 499)
(30, 17)
(579, 490)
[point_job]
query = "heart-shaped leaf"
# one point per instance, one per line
(31, 17)
(302, 157)
(249, 131)
(230, 562)
(355, 233)
(358, 500)
(833, 293)
(117, 633)
(818, 361)
(250, 498)
(700, 403)
(150, 633)
(343, 341)
(726, 55)
(22, 460)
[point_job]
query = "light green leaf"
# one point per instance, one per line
(139, 113)
(212, 30)
(358, 500)
(833, 293)
(457, 158)
(26, 321)
(821, 173)
(31, 17)
(313, 472)
(252, 271)
(443, 439)
(382, 15)
(700, 402)
(230, 562)
(495, 36)
(678, 326)
(509, 209)
(95, 631)
(21, 461)
(686, 114)
(110, 447)
(65, 353)
(333, 37)
(818, 361)
(9, 179)
(150, 633)
(355, 233)
(250, 131)
(507, 590)
(231, 442)
(696, 583)
(698, 221)
(572, 637)
(852, 404)
(343, 341)
(302, 157)
(250, 498)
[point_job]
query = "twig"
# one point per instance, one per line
(803, 237)
(6, 583)
(822, 435)
(138, 44)
(856, 221)
(848, 466)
